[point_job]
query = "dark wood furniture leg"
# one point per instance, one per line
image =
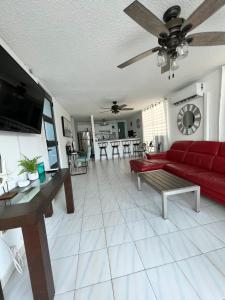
(69, 195)
(49, 211)
(1, 292)
(38, 259)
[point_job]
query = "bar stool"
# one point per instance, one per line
(115, 149)
(103, 151)
(136, 144)
(126, 148)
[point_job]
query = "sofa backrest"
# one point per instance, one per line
(178, 150)
(219, 160)
(202, 153)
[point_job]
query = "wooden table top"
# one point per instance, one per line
(164, 181)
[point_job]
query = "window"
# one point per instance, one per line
(154, 122)
(50, 134)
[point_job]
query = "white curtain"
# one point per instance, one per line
(154, 122)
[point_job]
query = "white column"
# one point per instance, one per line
(206, 116)
(222, 107)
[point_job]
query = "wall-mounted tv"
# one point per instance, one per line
(21, 98)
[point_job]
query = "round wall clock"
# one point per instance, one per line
(138, 123)
(188, 119)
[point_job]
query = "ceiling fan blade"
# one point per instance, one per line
(207, 39)
(145, 18)
(138, 57)
(203, 12)
(127, 108)
(122, 106)
(102, 112)
(166, 68)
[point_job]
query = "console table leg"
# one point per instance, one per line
(38, 259)
(49, 211)
(1, 292)
(197, 203)
(69, 194)
(164, 206)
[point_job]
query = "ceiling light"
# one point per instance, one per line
(182, 50)
(161, 58)
(174, 65)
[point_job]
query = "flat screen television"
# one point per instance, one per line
(21, 98)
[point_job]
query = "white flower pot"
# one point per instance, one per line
(23, 183)
(33, 176)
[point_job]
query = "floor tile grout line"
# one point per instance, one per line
(76, 273)
(110, 269)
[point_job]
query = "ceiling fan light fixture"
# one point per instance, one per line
(182, 50)
(174, 65)
(162, 58)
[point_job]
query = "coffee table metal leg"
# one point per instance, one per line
(139, 182)
(164, 206)
(197, 201)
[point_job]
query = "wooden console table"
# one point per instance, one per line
(30, 217)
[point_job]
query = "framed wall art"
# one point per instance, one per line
(66, 127)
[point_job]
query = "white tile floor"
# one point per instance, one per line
(117, 247)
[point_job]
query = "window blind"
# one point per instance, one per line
(154, 121)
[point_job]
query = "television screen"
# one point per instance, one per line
(21, 98)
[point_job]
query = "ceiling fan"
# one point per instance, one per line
(115, 108)
(172, 33)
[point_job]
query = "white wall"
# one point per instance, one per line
(133, 120)
(12, 145)
(212, 83)
(84, 126)
(213, 89)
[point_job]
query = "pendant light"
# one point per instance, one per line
(162, 58)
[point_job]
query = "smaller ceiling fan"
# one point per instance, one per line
(115, 108)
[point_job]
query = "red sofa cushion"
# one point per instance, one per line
(178, 150)
(182, 170)
(219, 160)
(160, 155)
(201, 154)
(139, 165)
(210, 180)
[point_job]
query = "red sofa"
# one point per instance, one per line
(202, 162)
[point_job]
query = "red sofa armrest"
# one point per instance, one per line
(161, 155)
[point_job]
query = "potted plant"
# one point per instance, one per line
(29, 166)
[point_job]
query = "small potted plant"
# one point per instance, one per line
(29, 166)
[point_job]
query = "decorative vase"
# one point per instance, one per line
(33, 176)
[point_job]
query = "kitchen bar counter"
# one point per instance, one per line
(119, 140)
(109, 147)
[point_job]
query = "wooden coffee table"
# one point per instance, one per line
(168, 184)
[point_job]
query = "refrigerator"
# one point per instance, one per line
(85, 139)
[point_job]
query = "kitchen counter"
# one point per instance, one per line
(109, 147)
(118, 140)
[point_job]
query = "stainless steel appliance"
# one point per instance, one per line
(85, 139)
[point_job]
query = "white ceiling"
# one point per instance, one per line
(74, 46)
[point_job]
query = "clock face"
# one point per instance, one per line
(188, 119)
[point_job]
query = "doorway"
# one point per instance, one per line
(121, 130)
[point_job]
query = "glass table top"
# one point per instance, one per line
(25, 195)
